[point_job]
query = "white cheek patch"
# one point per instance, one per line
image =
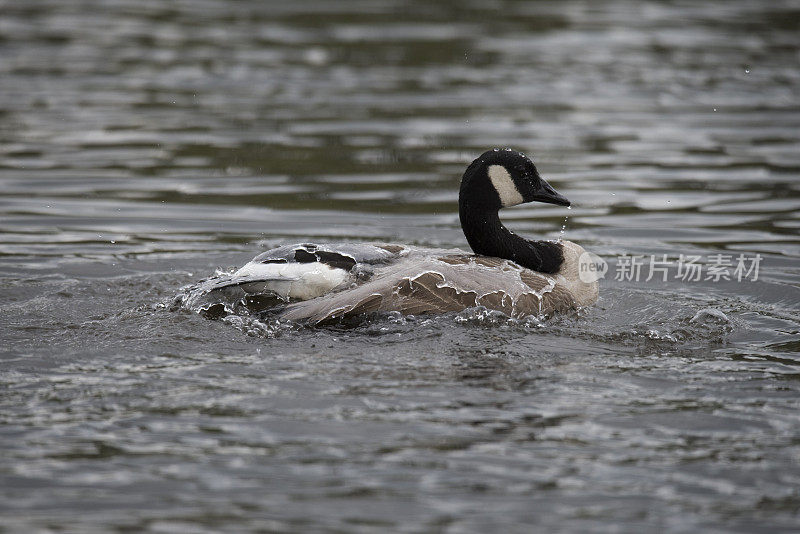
(502, 182)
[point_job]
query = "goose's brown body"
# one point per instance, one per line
(424, 281)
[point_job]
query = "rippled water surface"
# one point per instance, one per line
(145, 145)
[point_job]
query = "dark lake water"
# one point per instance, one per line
(146, 145)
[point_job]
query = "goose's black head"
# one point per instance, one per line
(497, 179)
(500, 178)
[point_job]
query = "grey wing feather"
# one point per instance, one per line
(359, 252)
(440, 285)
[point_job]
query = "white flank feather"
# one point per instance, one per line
(301, 281)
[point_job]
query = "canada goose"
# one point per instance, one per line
(517, 276)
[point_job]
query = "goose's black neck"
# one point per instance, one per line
(487, 236)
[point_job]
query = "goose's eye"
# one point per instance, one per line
(520, 169)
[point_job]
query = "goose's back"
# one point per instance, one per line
(431, 281)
